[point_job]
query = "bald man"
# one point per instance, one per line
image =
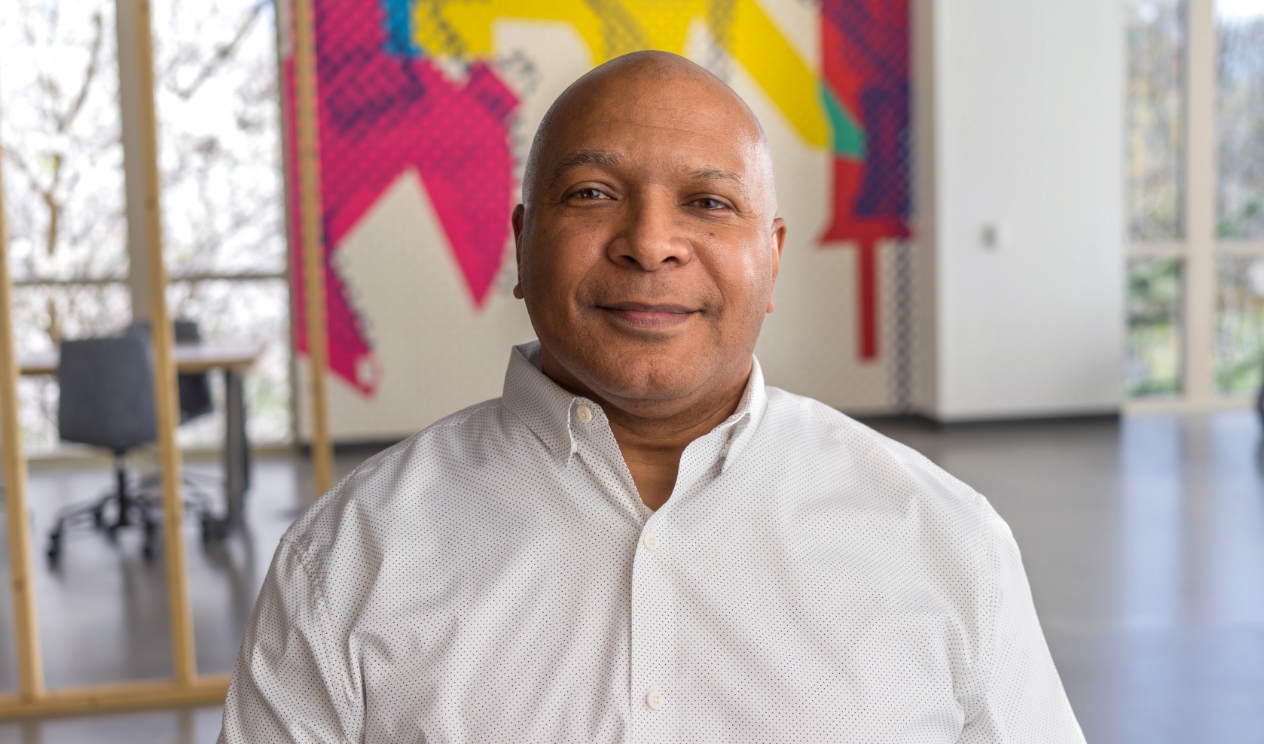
(639, 541)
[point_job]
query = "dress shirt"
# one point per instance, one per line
(496, 578)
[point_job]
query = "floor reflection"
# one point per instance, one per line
(1144, 544)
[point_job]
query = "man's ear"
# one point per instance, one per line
(778, 242)
(518, 212)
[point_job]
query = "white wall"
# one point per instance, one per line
(1026, 110)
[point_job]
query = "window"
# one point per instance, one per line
(219, 142)
(223, 197)
(1155, 116)
(1240, 197)
(1195, 148)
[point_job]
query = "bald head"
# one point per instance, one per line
(686, 88)
(648, 241)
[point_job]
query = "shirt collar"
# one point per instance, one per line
(545, 407)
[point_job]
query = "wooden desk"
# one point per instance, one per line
(195, 359)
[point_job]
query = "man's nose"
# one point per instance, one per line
(651, 237)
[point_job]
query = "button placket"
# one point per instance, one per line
(652, 653)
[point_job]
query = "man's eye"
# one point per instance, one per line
(589, 194)
(710, 204)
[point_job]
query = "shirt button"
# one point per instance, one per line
(724, 451)
(651, 541)
(585, 414)
(654, 699)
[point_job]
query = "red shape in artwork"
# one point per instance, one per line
(381, 115)
(865, 63)
(865, 234)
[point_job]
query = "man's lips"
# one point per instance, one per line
(643, 315)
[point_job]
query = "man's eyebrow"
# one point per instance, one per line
(715, 174)
(583, 157)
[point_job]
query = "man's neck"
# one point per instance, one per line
(652, 446)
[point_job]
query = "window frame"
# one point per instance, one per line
(1201, 247)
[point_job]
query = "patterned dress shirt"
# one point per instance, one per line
(496, 578)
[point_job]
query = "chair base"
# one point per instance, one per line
(128, 506)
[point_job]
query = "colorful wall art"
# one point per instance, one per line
(426, 109)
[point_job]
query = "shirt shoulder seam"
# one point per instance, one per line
(322, 626)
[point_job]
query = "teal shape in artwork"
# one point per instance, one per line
(848, 138)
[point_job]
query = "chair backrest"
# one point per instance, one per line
(186, 331)
(107, 392)
(194, 389)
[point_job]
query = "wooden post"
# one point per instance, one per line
(30, 668)
(183, 657)
(308, 152)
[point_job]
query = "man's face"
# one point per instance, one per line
(648, 251)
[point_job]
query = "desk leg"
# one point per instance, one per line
(236, 449)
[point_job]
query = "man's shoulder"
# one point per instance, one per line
(855, 466)
(392, 484)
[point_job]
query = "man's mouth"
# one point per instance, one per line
(649, 316)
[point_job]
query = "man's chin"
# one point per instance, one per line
(646, 386)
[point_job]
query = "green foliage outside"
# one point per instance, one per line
(1154, 352)
(1240, 325)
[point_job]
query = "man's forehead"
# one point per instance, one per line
(669, 118)
(686, 165)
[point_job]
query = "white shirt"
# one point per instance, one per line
(496, 578)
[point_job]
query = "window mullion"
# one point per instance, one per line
(1200, 204)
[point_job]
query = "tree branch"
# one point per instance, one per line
(94, 59)
(222, 54)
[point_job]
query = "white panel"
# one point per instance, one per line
(1029, 98)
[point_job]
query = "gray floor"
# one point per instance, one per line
(1143, 541)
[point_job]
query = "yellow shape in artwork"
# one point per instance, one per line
(463, 29)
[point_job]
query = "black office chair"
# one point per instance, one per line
(107, 400)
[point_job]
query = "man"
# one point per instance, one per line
(639, 542)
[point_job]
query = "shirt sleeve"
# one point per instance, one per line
(1023, 699)
(289, 685)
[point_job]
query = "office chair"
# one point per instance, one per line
(107, 400)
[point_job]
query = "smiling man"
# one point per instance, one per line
(640, 542)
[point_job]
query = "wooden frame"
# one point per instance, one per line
(186, 687)
(307, 150)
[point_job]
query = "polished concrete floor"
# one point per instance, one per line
(1143, 541)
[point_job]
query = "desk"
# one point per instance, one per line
(195, 359)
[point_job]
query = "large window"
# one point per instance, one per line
(1195, 136)
(1240, 196)
(219, 142)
